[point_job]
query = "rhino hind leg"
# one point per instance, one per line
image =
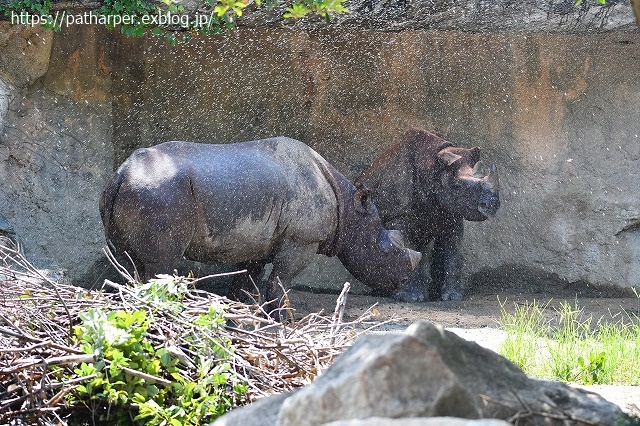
(150, 270)
(248, 288)
(434, 289)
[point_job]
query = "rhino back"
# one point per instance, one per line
(250, 196)
(402, 180)
(390, 179)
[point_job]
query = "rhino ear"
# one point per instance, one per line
(447, 158)
(361, 199)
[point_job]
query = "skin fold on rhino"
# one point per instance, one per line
(426, 187)
(251, 203)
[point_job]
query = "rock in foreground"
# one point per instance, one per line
(427, 372)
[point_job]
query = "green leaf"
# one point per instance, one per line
(138, 398)
(147, 409)
(152, 391)
(165, 356)
(334, 6)
(297, 11)
(220, 10)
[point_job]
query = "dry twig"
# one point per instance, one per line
(37, 316)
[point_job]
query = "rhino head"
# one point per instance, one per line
(374, 255)
(463, 188)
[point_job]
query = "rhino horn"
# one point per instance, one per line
(415, 257)
(492, 178)
(477, 170)
(396, 237)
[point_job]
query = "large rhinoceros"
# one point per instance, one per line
(250, 203)
(426, 187)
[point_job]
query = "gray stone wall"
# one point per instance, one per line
(558, 113)
(55, 145)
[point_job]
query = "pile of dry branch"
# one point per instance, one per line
(37, 316)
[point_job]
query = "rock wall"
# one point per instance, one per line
(55, 145)
(558, 113)
(551, 16)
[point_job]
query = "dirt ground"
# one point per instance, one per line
(485, 293)
(478, 315)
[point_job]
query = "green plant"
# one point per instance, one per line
(141, 380)
(579, 2)
(524, 327)
(165, 293)
(322, 8)
(567, 342)
(591, 370)
(571, 349)
(41, 7)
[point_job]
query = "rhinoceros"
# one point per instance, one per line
(427, 187)
(250, 203)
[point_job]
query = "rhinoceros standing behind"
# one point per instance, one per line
(426, 187)
(251, 203)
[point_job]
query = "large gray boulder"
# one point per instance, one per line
(427, 372)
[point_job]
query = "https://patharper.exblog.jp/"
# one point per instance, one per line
(61, 19)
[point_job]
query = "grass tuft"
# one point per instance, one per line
(570, 347)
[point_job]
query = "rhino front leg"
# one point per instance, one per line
(446, 266)
(420, 289)
(289, 261)
(412, 292)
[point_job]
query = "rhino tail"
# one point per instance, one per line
(108, 200)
